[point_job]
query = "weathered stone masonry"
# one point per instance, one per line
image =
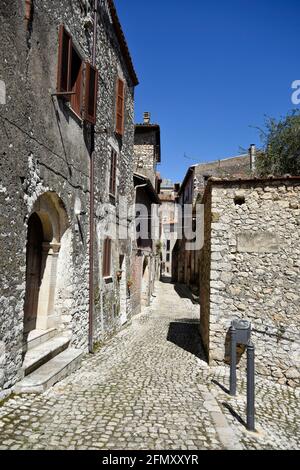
(250, 268)
(44, 167)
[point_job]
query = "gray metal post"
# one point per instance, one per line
(232, 361)
(250, 387)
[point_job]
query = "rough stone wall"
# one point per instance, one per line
(255, 272)
(224, 168)
(144, 161)
(204, 277)
(45, 147)
(110, 63)
(193, 192)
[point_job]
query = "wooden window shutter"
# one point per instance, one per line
(120, 107)
(90, 93)
(64, 61)
(76, 100)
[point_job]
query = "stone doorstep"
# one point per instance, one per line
(37, 337)
(36, 357)
(50, 373)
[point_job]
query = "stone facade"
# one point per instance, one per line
(169, 220)
(250, 269)
(186, 264)
(45, 164)
(146, 257)
(147, 152)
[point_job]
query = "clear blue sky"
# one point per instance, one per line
(209, 70)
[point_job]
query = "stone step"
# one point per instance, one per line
(36, 357)
(37, 337)
(50, 373)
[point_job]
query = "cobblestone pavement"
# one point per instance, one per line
(150, 388)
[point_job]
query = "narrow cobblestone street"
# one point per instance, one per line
(148, 388)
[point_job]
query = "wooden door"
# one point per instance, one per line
(33, 271)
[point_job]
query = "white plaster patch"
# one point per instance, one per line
(77, 206)
(2, 92)
(36, 188)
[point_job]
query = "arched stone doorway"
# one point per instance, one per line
(46, 227)
(33, 271)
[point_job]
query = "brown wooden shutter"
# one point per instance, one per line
(90, 93)
(64, 61)
(120, 107)
(76, 100)
(107, 257)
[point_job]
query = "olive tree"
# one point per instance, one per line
(281, 146)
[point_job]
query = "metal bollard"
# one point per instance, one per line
(232, 361)
(250, 387)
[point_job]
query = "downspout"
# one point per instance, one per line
(92, 202)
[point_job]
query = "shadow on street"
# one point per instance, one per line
(185, 334)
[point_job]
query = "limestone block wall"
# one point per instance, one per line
(144, 161)
(254, 272)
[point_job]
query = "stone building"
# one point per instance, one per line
(250, 269)
(186, 263)
(147, 149)
(168, 217)
(146, 256)
(68, 110)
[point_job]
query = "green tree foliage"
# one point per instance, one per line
(281, 146)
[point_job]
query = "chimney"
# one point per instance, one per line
(147, 118)
(252, 153)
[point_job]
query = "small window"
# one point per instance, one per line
(168, 257)
(90, 93)
(120, 107)
(81, 94)
(64, 61)
(168, 245)
(76, 82)
(107, 258)
(113, 173)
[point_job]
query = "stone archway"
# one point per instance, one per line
(46, 227)
(33, 271)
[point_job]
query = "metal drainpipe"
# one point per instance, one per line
(92, 202)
